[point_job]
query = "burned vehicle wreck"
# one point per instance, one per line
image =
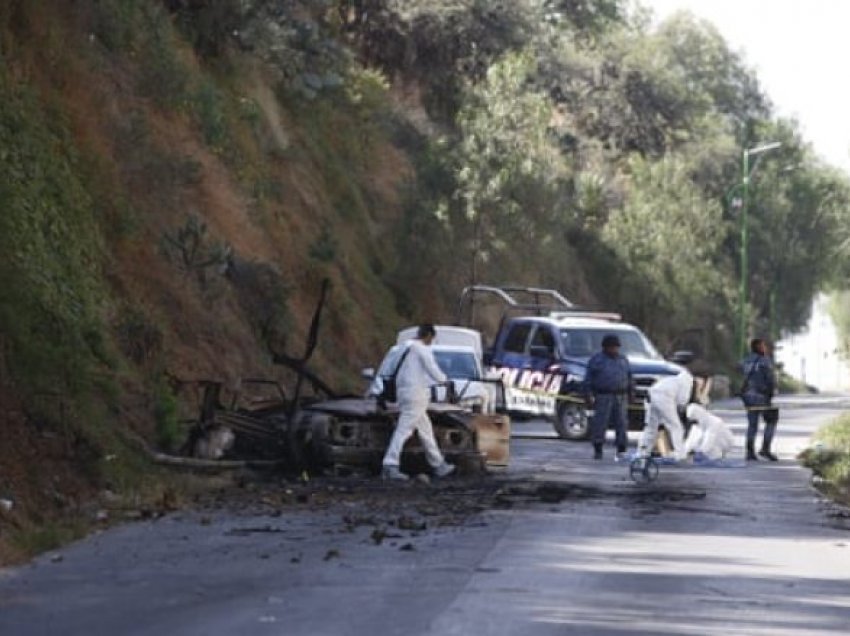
(334, 434)
(353, 432)
(317, 429)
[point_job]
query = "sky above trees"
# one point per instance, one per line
(796, 46)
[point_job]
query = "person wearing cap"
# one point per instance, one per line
(608, 384)
(416, 374)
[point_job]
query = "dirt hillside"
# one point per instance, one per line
(181, 216)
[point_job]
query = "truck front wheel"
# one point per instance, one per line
(571, 421)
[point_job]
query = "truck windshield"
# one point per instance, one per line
(584, 343)
(458, 365)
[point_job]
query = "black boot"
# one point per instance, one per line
(597, 451)
(765, 452)
(751, 452)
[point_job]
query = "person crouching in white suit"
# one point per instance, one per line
(666, 397)
(709, 435)
(417, 373)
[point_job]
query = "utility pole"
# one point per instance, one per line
(774, 331)
(742, 285)
(746, 173)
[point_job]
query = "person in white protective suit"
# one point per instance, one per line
(416, 374)
(709, 434)
(666, 397)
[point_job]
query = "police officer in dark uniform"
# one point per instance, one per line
(608, 386)
(757, 393)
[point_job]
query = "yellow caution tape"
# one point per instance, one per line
(565, 398)
(548, 396)
(632, 407)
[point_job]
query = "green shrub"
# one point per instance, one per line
(208, 106)
(48, 536)
(138, 337)
(249, 111)
(168, 430)
(829, 459)
(367, 90)
(831, 456)
(789, 384)
(267, 189)
(209, 25)
(324, 248)
(192, 250)
(115, 23)
(164, 76)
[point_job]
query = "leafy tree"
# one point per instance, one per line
(705, 65)
(798, 212)
(439, 44)
(667, 235)
(610, 146)
(509, 170)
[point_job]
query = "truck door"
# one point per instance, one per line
(542, 351)
(511, 361)
(513, 350)
(542, 383)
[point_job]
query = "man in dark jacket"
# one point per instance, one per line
(757, 393)
(608, 385)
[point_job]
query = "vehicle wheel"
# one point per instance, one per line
(571, 422)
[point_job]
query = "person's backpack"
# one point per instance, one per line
(745, 385)
(388, 392)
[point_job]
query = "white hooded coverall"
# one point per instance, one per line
(418, 373)
(709, 435)
(666, 397)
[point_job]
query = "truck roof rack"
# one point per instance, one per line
(543, 302)
(539, 293)
(522, 301)
(537, 300)
(586, 313)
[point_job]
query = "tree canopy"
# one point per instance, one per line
(585, 148)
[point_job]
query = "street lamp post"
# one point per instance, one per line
(746, 173)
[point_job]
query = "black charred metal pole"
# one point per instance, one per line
(295, 451)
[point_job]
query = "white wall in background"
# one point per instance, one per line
(813, 354)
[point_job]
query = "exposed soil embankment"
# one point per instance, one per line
(168, 217)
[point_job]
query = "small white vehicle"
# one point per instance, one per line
(459, 352)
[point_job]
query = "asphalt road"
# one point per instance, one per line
(747, 550)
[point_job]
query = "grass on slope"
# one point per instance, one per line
(829, 458)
